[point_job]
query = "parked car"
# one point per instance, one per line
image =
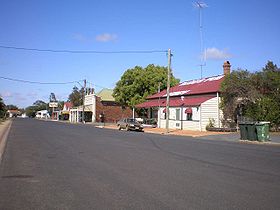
(129, 124)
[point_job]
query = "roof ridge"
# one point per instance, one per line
(203, 78)
(194, 81)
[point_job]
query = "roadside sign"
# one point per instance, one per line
(53, 104)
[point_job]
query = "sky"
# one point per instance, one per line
(244, 32)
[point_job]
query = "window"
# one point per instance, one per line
(189, 116)
(164, 113)
(178, 112)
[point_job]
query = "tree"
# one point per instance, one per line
(76, 97)
(53, 98)
(237, 91)
(37, 106)
(138, 83)
(2, 108)
(254, 95)
(12, 107)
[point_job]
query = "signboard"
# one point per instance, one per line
(89, 99)
(53, 104)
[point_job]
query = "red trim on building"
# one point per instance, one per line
(188, 111)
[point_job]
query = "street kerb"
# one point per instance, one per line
(171, 131)
(4, 131)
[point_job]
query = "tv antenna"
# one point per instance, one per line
(201, 5)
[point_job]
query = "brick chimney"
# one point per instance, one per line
(226, 67)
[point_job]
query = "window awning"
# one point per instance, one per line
(188, 111)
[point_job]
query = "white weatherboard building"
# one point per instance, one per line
(192, 103)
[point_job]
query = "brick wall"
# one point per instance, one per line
(111, 110)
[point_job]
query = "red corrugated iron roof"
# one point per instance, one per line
(68, 104)
(193, 87)
(13, 111)
(175, 102)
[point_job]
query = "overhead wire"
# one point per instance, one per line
(84, 51)
(95, 85)
(41, 83)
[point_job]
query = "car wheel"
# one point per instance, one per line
(119, 127)
(127, 128)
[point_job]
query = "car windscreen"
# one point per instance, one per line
(131, 121)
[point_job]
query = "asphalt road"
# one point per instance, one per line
(52, 165)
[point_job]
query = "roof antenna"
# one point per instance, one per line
(201, 5)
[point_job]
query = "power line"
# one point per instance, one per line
(84, 51)
(41, 83)
(95, 85)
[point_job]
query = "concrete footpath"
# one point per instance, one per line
(4, 131)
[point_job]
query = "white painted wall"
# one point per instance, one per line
(201, 115)
(191, 125)
(209, 109)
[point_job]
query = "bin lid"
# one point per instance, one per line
(262, 123)
(246, 123)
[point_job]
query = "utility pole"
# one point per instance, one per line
(84, 89)
(167, 90)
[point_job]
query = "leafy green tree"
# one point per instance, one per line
(12, 107)
(2, 108)
(264, 109)
(268, 80)
(258, 94)
(37, 106)
(138, 83)
(60, 104)
(237, 89)
(52, 97)
(76, 97)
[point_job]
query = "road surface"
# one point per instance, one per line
(53, 165)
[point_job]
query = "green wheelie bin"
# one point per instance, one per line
(262, 129)
(252, 134)
(243, 131)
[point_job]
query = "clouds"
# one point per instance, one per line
(18, 99)
(6, 94)
(105, 37)
(82, 38)
(216, 54)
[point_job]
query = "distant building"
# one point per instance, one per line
(100, 107)
(192, 103)
(13, 113)
(65, 113)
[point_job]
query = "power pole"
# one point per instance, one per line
(84, 89)
(168, 90)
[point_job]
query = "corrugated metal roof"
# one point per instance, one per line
(68, 105)
(106, 95)
(193, 87)
(175, 102)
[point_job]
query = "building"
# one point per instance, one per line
(193, 104)
(65, 112)
(13, 113)
(100, 107)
